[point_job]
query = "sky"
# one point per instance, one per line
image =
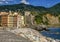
(45, 3)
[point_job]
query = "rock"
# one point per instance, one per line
(32, 35)
(6, 36)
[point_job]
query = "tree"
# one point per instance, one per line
(38, 19)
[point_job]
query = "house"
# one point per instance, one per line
(11, 19)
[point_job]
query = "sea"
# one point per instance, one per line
(52, 33)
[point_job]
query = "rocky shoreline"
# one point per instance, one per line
(32, 35)
(6, 36)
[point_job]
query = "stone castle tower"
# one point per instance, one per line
(28, 19)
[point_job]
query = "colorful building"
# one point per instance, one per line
(9, 19)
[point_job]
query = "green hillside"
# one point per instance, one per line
(37, 11)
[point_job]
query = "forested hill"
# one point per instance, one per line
(23, 7)
(38, 11)
(55, 9)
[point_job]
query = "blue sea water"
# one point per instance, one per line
(52, 33)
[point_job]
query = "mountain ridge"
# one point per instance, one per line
(24, 7)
